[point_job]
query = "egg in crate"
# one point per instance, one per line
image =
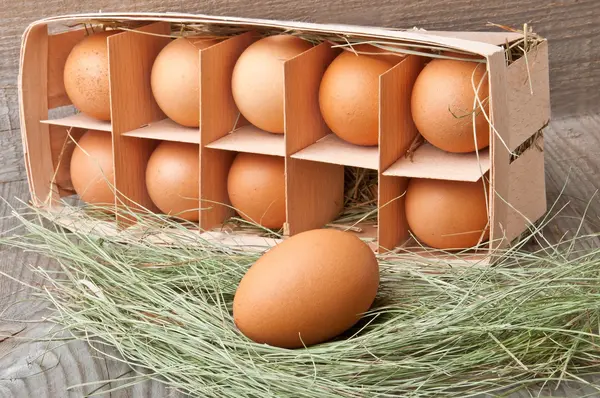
(257, 81)
(443, 104)
(172, 179)
(92, 170)
(447, 215)
(175, 79)
(349, 93)
(307, 290)
(256, 188)
(86, 75)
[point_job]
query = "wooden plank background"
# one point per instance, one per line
(572, 147)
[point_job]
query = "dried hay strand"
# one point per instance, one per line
(434, 330)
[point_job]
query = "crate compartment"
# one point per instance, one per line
(62, 145)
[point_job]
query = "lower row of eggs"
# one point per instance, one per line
(255, 183)
(441, 214)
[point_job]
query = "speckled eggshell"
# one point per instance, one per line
(257, 81)
(442, 105)
(172, 179)
(92, 170)
(175, 79)
(349, 94)
(307, 290)
(447, 215)
(86, 76)
(256, 187)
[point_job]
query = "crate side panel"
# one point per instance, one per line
(528, 95)
(527, 190)
(33, 91)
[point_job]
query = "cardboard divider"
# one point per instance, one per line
(332, 149)
(430, 162)
(131, 55)
(80, 120)
(218, 117)
(59, 47)
(62, 147)
(396, 133)
(251, 139)
(166, 130)
(314, 191)
(304, 124)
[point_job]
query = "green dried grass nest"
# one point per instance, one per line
(435, 330)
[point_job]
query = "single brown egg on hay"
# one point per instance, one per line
(443, 105)
(86, 75)
(172, 179)
(257, 81)
(175, 79)
(447, 215)
(307, 290)
(256, 188)
(349, 93)
(92, 168)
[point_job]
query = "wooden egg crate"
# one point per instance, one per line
(314, 157)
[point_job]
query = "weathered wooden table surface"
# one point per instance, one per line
(29, 369)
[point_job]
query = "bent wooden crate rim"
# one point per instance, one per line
(519, 109)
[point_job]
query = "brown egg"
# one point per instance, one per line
(447, 214)
(92, 168)
(257, 81)
(307, 290)
(256, 187)
(86, 76)
(172, 179)
(349, 94)
(442, 105)
(175, 79)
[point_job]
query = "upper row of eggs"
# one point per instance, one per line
(444, 105)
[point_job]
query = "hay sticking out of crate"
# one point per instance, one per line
(210, 29)
(433, 331)
(360, 197)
